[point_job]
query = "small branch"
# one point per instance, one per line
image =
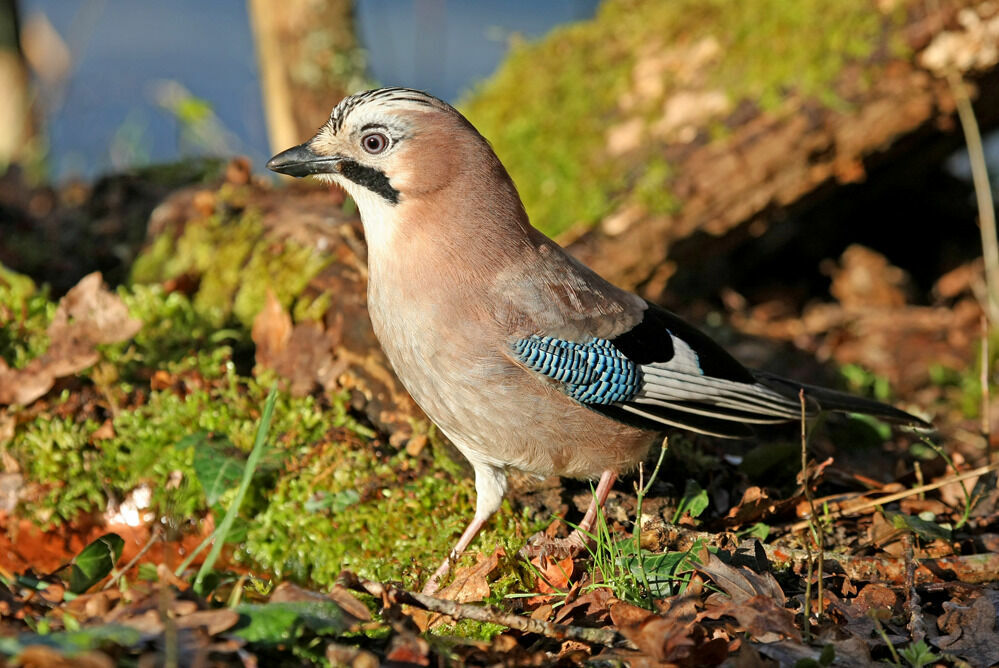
(153, 538)
(972, 568)
(817, 530)
(916, 625)
(880, 501)
(484, 613)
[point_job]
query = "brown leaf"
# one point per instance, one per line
(271, 331)
(87, 316)
(39, 656)
(408, 649)
(302, 354)
(875, 596)
(556, 575)
(741, 584)
(213, 621)
(760, 616)
(971, 630)
(661, 638)
(90, 310)
(593, 607)
(287, 591)
(471, 582)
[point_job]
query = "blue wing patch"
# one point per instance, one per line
(592, 372)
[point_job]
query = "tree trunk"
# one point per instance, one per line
(309, 59)
(15, 102)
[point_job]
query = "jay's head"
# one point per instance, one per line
(389, 146)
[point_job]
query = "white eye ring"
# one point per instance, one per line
(374, 142)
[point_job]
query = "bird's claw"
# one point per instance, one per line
(543, 545)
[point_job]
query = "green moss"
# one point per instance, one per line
(548, 108)
(652, 187)
(328, 495)
(236, 264)
(25, 313)
(285, 272)
(392, 526)
(63, 467)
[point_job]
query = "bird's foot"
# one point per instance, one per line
(543, 545)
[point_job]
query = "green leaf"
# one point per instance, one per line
(272, 623)
(217, 471)
(922, 528)
(72, 642)
(148, 572)
(94, 562)
(662, 570)
(222, 530)
(759, 531)
(919, 654)
(694, 501)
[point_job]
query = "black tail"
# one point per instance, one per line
(824, 399)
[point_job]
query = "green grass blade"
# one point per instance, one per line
(251, 465)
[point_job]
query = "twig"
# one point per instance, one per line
(971, 569)
(156, 534)
(917, 629)
(986, 401)
(983, 193)
(817, 531)
(874, 503)
(483, 613)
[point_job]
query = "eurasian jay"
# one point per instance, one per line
(522, 356)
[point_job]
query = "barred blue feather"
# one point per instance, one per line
(592, 372)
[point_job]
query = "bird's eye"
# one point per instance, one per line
(374, 142)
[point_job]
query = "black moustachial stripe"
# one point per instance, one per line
(372, 179)
(649, 342)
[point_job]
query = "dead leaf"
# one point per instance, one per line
(39, 656)
(589, 609)
(290, 592)
(470, 583)
(555, 576)
(660, 638)
(741, 584)
(875, 596)
(760, 616)
(408, 649)
(87, 316)
(971, 630)
(271, 330)
(302, 353)
(213, 621)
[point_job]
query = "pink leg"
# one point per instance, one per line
(579, 534)
(434, 583)
(579, 539)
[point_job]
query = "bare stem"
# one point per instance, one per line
(983, 193)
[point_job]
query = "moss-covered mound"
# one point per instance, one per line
(581, 117)
(160, 407)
